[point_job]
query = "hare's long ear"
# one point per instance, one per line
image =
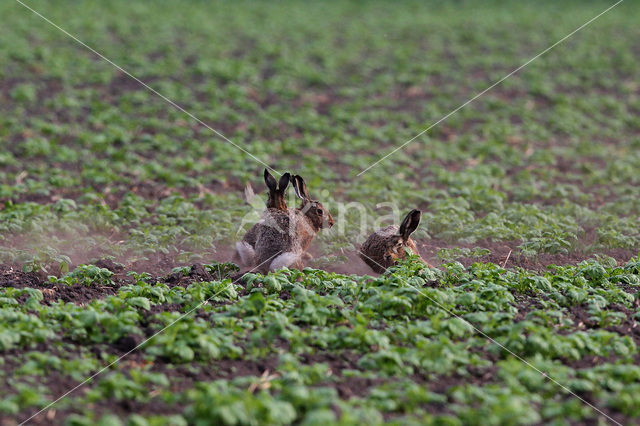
(297, 186)
(270, 181)
(283, 183)
(409, 224)
(300, 187)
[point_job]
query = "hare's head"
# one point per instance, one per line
(394, 245)
(277, 190)
(314, 210)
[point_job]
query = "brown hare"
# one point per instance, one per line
(284, 236)
(245, 249)
(385, 246)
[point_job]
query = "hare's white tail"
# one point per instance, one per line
(246, 253)
(285, 259)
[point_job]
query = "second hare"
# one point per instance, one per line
(284, 236)
(385, 246)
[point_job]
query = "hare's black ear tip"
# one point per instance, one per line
(266, 172)
(284, 181)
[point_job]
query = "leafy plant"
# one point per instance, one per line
(88, 275)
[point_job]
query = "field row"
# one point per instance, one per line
(414, 345)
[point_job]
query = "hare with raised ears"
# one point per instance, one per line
(385, 246)
(245, 249)
(284, 237)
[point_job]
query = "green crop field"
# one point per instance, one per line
(127, 174)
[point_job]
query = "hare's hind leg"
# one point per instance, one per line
(287, 259)
(246, 253)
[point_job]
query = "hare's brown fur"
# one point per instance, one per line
(284, 237)
(386, 246)
(282, 233)
(277, 190)
(245, 250)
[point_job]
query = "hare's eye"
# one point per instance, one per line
(318, 210)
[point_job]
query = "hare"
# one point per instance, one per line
(245, 249)
(284, 236)
(385, 246)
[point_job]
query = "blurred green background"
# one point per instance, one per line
(544, 164)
